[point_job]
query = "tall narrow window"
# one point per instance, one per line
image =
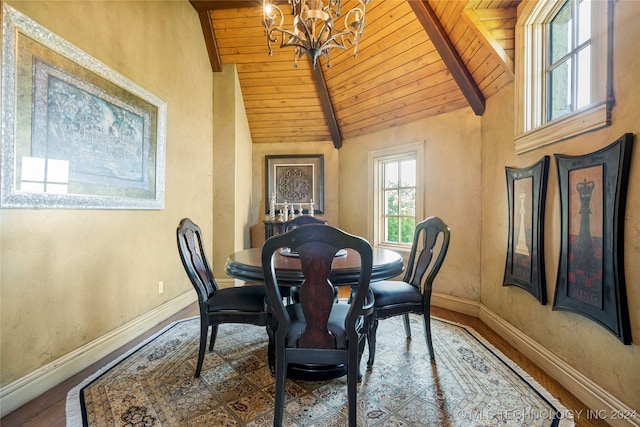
(396, 194)
(399, 208)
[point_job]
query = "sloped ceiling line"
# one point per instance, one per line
(475, 23)
(449, 55)
(327, 105)
(210, 40)
(425, 15)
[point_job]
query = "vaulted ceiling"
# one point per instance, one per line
(416, 59)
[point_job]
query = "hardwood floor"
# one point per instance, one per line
(48, 410)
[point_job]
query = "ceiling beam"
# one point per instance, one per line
(447, 51)
(474, 21)
(204, 8)
(327, 106)
(210, 40)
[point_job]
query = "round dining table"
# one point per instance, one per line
(247, 265)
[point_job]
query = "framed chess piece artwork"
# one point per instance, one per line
(590, 278)
(526, 194)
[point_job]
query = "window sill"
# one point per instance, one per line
(593, 117)
(401, 249)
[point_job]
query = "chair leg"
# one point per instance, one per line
(281, 378)
(204, 330)
(214, 334)
(427, 333)
(407, 327)
(352, 388)
(371, 338)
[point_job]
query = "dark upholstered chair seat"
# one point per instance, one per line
(335, 325)
(389, 292)
(243, 298)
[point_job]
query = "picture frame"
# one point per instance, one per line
(75, 133)
(590, 279)
(295, 179)
(526, 195)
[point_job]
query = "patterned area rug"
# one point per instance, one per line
(471, 384)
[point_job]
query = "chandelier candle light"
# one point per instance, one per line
(313, 31)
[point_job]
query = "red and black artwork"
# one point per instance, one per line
(590, 278)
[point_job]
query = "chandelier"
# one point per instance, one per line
(314, 29)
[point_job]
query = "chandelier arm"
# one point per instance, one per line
(357, 26)
(313, 30)
(269, 14)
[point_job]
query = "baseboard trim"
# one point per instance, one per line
(604, 405)
(32, 385)
(459, 305)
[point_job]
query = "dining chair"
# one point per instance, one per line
(317, 330)
(412, 294)
(243, 304)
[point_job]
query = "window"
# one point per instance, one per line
(563, 76)
(568, 71)
(399, 199)
(396, 194)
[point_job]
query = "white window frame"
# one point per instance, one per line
(375, 162)
(531, 128)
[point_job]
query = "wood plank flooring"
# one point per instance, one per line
(48, 410)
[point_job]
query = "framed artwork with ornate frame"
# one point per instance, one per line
(590, 279)
(75, 133)
(526, 194)
(295, 179)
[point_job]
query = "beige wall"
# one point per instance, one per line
(71, 276)
(331, 187)
(579, 341)
(452, 189)
(232, 172)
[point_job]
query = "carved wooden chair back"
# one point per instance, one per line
(413, 293)
(318, 330)
(244, 304)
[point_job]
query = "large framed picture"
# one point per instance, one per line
(295, 179)
(75, 133)
(526, 195)
(590, 278)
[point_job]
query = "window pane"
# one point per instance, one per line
(584, 77)
(391, 229)
(584, 21)
(395, 222)
(391, 175)
(408, 173)
(408, 201)
(391, 202)
(407, 230)
(560, 90)
(560, 33)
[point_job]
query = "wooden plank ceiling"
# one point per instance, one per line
(416, 59)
